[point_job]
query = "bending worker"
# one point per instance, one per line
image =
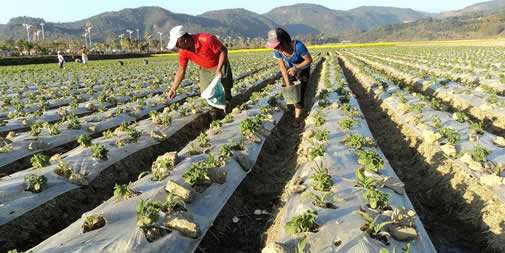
(205, 50)
(294, 62)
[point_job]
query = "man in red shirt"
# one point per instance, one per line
(205, 50)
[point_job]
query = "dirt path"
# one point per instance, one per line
(261, 190)
(446, 233)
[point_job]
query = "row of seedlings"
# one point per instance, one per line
(466, 71)
(172, 208)
(472, 159)
(483, 105)
(81, 86)
(47, 189)
(345, 197)
(17, 149)
(99, 102)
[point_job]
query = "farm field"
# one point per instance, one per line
(402, 150)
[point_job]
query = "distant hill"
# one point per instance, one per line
(241, 22)
(465, 25)
(328, 21)
(298, 19)
(479, 8)
(366, 23)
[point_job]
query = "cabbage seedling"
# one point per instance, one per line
(99, 152)
(321, 180)
(480, 153)
(39, 161)
(305, 222)
(370, 160)
(84, 140)
(35, 183)
(92, 222)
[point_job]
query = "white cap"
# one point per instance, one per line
(175, 34)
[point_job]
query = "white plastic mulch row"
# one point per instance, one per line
(121, 234)
(465, 99)
(339, 226)
(83, 108)
(25, 145)
(493, 83)
(16, 202)
(470, 178)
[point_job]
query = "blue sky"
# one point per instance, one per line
(71, 10)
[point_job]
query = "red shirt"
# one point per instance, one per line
(207, 51)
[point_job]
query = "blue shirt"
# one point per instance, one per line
(297, 57)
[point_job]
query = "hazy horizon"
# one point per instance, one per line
(84, 9)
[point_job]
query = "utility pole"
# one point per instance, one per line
(27, 27)
(43, 31)
(85, 35)
(130, 33)
(161, 41)
(88, 31)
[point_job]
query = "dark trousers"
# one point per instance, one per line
(206, 76)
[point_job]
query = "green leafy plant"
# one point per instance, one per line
(477, 127)
(93, 222)
(109, 134)
(35, 183)
(228, 118)
(249, 126)
(376, 199)
(124, 191)
(305, 222)
(163, 165)
(39, 161)
(371, 160)
(363, 181)
(316, 151)
(225, 151)
(99, 151)
(73, 123)
(63, 169)
(216, 124)
(372, 225)
(450, 134)
(357, 141)
(6, 148)
(460, 117)
(347, 124)
(203, 140)
(162, 119)
(437, 104)
(52, 129)
(319, 119)
(418, 108)
(322, 134)
(437, 123)
(321, 180)
(197, 174)
(173, 202)
(480, 153)
(148, 213)
(36, 128)
(84, 140)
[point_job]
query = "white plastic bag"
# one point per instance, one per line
(214, 94)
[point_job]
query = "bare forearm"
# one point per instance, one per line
(306, 61)
(179, 76)
(284, 73)
(222, 58)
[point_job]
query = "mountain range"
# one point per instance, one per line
(367, 23)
